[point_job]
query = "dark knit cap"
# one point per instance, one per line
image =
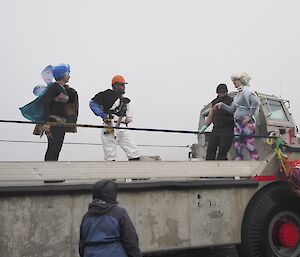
(222, 88)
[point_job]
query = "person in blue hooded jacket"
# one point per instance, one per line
(106, 229)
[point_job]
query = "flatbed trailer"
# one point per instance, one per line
(174, 205)
(42, 203)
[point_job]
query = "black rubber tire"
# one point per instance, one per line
(273, 199)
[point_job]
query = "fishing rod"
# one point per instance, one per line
(128, 128)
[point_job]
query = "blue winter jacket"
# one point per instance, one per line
(107, 231)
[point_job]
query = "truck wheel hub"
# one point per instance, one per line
(288, 235)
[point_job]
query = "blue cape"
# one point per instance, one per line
(34, 111)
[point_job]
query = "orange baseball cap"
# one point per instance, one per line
(118, 79)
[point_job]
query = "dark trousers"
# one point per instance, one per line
(221, 141)
(55, 142)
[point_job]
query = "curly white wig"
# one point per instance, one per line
(243, 76)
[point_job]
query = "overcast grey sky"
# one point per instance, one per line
(173, 54)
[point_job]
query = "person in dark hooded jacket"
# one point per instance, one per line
(106, 229)
(221, 136)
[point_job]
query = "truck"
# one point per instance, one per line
(174, 205)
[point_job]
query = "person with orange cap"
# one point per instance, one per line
(114, 109)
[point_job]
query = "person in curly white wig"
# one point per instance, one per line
(245, 106)
(243, 77)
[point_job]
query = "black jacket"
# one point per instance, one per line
(55, 101)
(72, 108)
(106, 99)
(222, 119)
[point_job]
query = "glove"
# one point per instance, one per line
(107, 121)
(202, 129)
(126, 120)
(45, 128)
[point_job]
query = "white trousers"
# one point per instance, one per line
(120, 137)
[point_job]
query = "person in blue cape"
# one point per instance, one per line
(50, 106)
(106, 229)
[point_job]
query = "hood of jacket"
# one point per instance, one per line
(98, 206)
(105, 190)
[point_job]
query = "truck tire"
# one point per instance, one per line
(271, 224)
